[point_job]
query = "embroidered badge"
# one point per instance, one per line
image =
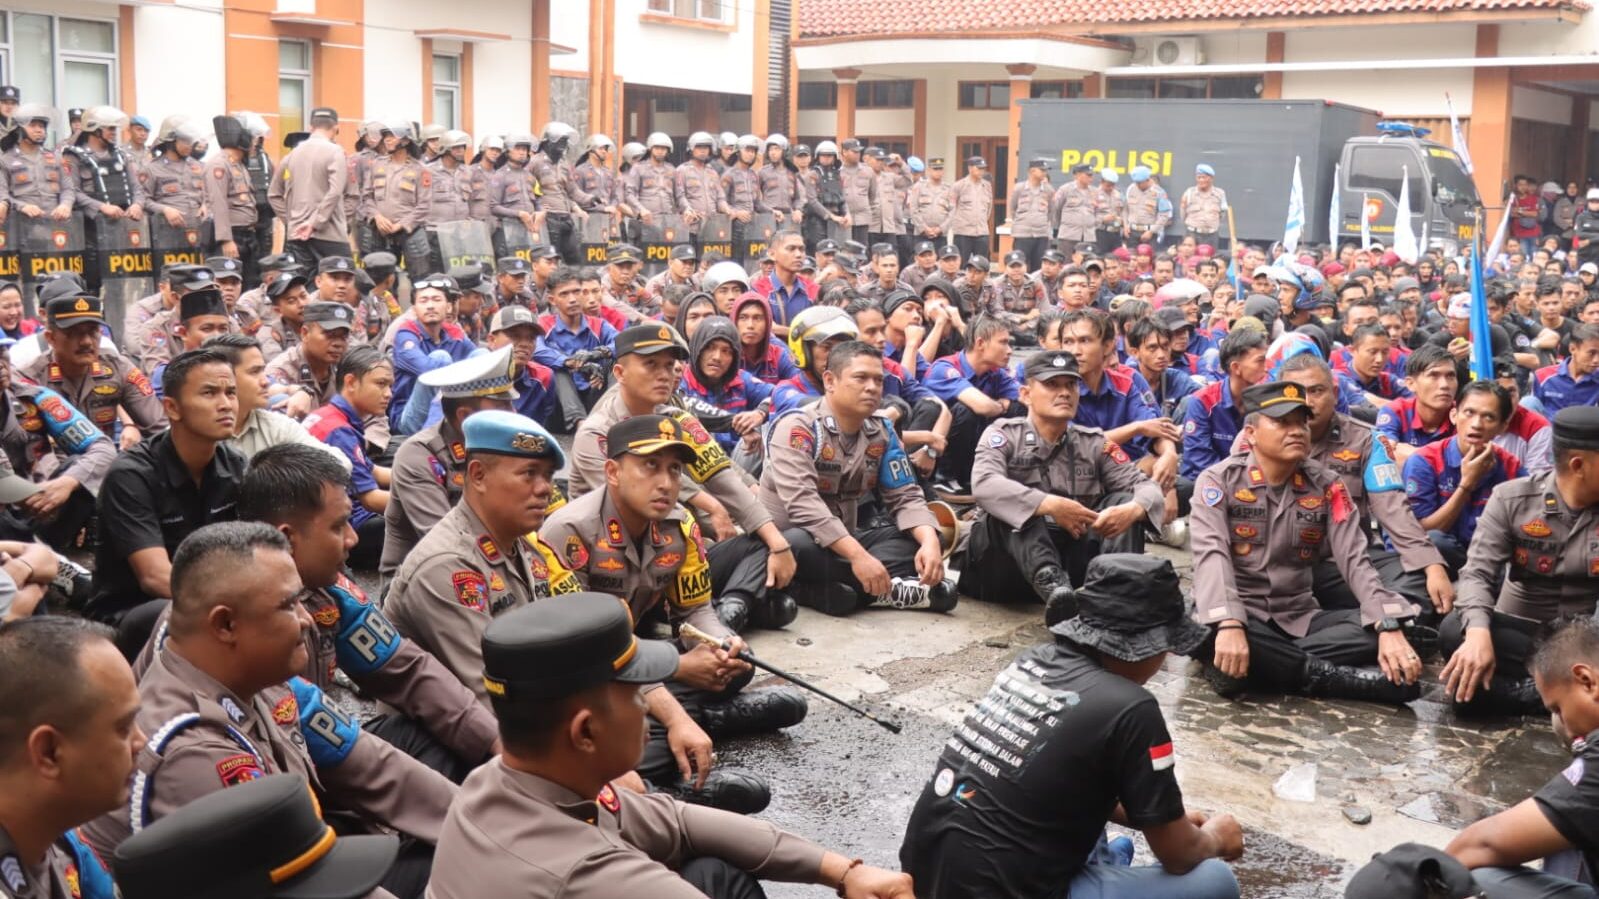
(610, 563)
(327, 616)
(1241, 549)
(1211, 496)
(470, 589)
(1256, 476)
(996, 440)
(1246, 531)
(668, 560)
(1116, 453)
(485, 544)
(577, 555)
(613, 531)
(238, 769)
(1536, 528)
(287, 711)
(1162, 757)
(496, 582)
(608, 800)
(1346, 455)
(1311, 502)
(801, 439)
(231, 709)
(1245, 495)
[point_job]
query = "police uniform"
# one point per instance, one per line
(513, 190)
(429, 471)
(815, 480)
(514, 833)
(1255, 545)
(1148, 208)
(1011, 302)
(453, 192)
(929, 204)
(698, 189)
(378, 308)
(58, 877)
(44, 437)
(602, 186)
(229, 193)
(781, 189)
(103, 179)
(308, 189)
(1110, 213)
(111, 383)
(651, 187)
(1202, 212)
(459, 578)
(401, 192)
(562, 199)
(1015, 469)
(40, 178)
(971, 209)
(1072, 210)
(1029, 216)
(259, 166)
(277, 333)
(290, 368)
(889, 213)
(176, 184)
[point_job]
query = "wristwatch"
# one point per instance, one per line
(1388, 625)
(931, 453)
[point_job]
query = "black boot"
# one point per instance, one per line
(734, 610)
(1225, 685)
(1504, 696)
(753, 712)
(730, 791)
(1326, 680)
(776, 611)
(829, 598)
(1055, 589)
(910, 593)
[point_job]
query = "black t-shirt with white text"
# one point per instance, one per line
(1024, 786)
(1570, 801)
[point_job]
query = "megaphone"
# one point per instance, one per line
(948, 525)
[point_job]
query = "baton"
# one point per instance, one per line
(694, 633)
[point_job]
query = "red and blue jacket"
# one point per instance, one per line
(952, 374)
(338, 425)
(535, 388)
(1384, 385)
(742, 393)
(1123, 398)
(1402, 422)
(412, 347)
(558, 342)
(1432, 475)
(1394, 366)
(1556, 388)
(1210, 425)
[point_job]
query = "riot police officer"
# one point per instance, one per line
(174, 185)
(260, 166)
(229, 192)
(650, 189)
(513, 193)
(107, 187)
(698, 187)
(593, 176)
(560, 196)
(741, 188)
(827, 186)
(33, 180)
(395, 198)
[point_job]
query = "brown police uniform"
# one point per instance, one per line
(203, 738)
(512, 191)
(651, 186)
(136, 321)
(741, 188)
(1202, 212)
(401, 192)
(290, 368)
(456, 580)
(40, 179)
(893, 186)
(452, 192)
(1143, 209)
(971, 204)
(929, 206)
(517, 834)
(309, 188)
(113, 382)
(161, 339)
(177, 184)
(231, 200)
(781, 189)
(1011, 302)
(1013, 471)
(55, 878)
(558, 189)
(698, 189)
(1029, 209)
(1072, 210)
(428, 476)
(480, 208)
(1254, 548)
(602, 186)
(860, 188)
(1110, 212)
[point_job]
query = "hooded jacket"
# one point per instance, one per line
(737, 391)
(776, 363)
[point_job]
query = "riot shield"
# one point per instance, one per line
(517, 240)
(758, 233)
(838, 232)
(10, 262)
(464, 243)
(45, 247)
(659, 235)
(599, 229)
(716, 236)
(127, 266)
(185, 245)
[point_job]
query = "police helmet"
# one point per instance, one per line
(726, 139)
(433, 132)
(802, 150)
(660, 139)
(826, 148)
(173, 128)
(721, 273)
(253, 123)
(555, 132)
(815, 324)
(701, 139)
(98, 118)
(596, 141)
(749, 142)
(372, 130)
(453, 139)
(512, 141)
(492, 142)
(404, 134)
(778, 139)
(632, 152)
(34, 112)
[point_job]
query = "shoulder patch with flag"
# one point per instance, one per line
(1162, 757)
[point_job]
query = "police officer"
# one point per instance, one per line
(254, 300)
(929, 203)
(513, 192)
(107, 188)
(255, 833)
(971, 208)
(860, 192)
(696, 186)
(67, 754)
(822, 460)
(229, 274)
(650, 189)
(1072, 210)
(395, 198)
(572, 658)
(1260, 521)
(201, 315)
(429, 472)
(92, 379)
(560, 197)
(888, 210)
(593, 176)
(259, 166)
(378, 307)
(307, 193)
(782, 189)
(632, 539)
(9, 98)
(281, 320)
(1538, 529)
(1029, 213)
(741, 190)
(1202, 207)
(225, 702)
(1148, 208)
(33, 180)
(454, 196)
(308, 371)
(162, 334)
(174, 188)
(1017, 300)
(1052, 495)
(1110, 213)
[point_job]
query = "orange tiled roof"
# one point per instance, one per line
(833, 18)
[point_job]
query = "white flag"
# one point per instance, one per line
(1296, 213)
(1335, 210)
(1365, 221)
(1458, 137)
(1498, 244)
(1404, 231)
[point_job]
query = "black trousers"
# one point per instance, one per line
(574, 402)
(1001, 560)
(720, 880)
(368, 544)
(307, 253)
(818, 565)
(410, 737)
(965, 427)
(1211, 239)
(1034, 247)
(60, 531)
(244, 242)
(1333, 592)
(1277, 659)
(861, 234)
(1109, 240)
(739, 565)
(658, 765)
(1513, 638)
(263, 245)
(971, 245)
(815, 231)
(563, 236)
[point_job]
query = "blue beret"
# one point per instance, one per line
(1140, 173)
(1204, 169)
(510, 434)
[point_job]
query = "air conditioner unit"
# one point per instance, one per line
(1168, 51)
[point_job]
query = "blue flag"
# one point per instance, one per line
(1482, 361)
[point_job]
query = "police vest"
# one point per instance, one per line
(260, 168)
(112, 182)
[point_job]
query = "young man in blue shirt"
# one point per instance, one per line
(366, 380)
(570, 336)
(977, 386)
(1448, 481)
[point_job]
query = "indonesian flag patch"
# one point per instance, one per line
(1162, 757)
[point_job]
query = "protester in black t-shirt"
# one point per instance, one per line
(1564, 814)
(1066, 740)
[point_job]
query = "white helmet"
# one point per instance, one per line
(749, 142)
(555, 132)
(429, 132)
(727, 139)
(492, 142)
(826, 147)
(253, 123)
(632, 152)
(596, 141)
(453, 139)
(778, 139)
(722, 273)
(659, 139)
(521, 140)
(96, 118)
(701, 139)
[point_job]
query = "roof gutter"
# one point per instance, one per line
(1459, 62)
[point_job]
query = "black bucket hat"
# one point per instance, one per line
(1131, 608)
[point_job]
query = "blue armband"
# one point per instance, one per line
(94, 881)
(894, 469)
(65, 424)
(366, 640)
(329, 733)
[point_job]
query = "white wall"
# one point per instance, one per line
(1417, 92)
(502, 87)
(1234, 47)
(683, 57)
(1393, 42)
(1540, 106)
(197, 86)
(946, 122)
(1549, 39)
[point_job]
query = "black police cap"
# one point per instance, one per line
(1577, 427)
(282, 283)
(225, 267)
(1275, 399)
(1053, 255)
(925, 246)
(380, 262)
(646, 435)
(648, 339)
(567, 644)
(335, 264)
(205, 301)
(263, 839)
(1045, 366)
(64, 312)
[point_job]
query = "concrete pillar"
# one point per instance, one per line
(1272, 87)
(846, 101)
(760, 85)
(540, 112)
(1490, 124)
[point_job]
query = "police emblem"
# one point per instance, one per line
(577, 555)
(238, 769)
(613, 531)
(1245, 495)
(1536, 528)
(287, 711)
(608, 800)
(1211, 496)
(470, 589)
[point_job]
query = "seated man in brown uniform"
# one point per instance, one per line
(544, 820)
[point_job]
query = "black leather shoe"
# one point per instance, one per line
(753, 712)
(1504, 696)
(1225, 685)
(776, 611)
(829, 598)
(910, 593)
(730, 791)
(734, 610)
(1324, 679)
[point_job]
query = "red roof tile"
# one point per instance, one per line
(833, 18)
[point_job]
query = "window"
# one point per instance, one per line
(294, 85)
(734, 102)
(885, 94)
(1382, 168)
(818, 95)
(1056, 90)
(900, 144)
(1221, 87)
(672, 103)
(447, 89)
(59, 61)
(985, 95)
(703, 10)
